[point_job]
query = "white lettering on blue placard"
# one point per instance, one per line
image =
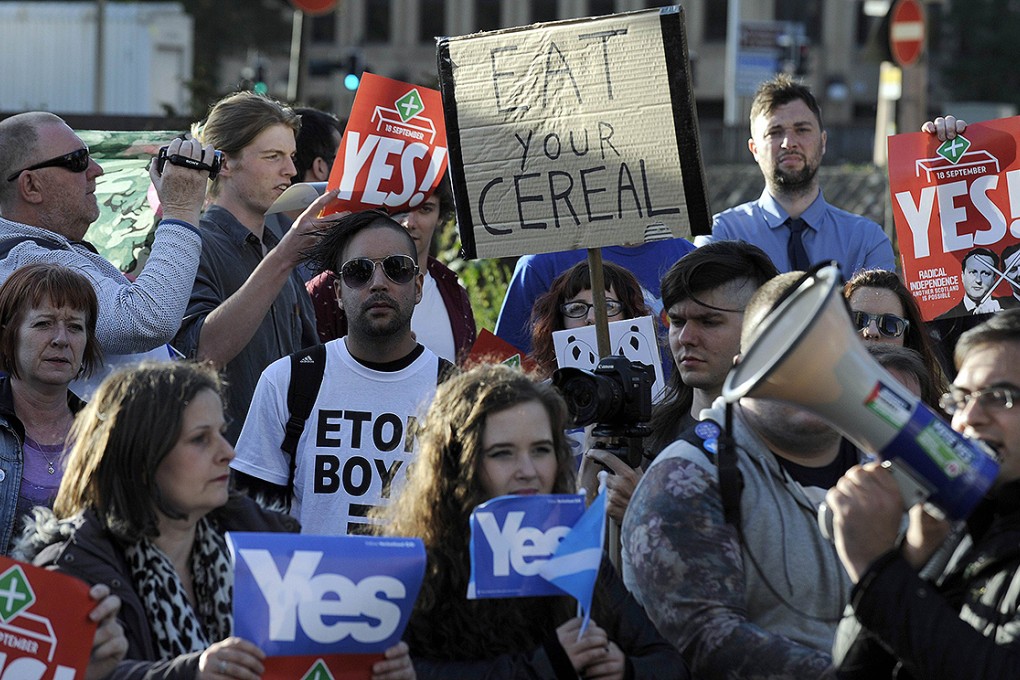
(364, 611)
(523, 549)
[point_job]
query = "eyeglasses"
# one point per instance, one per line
(889, 325)
(76, 161)
(990, 398)
(579, 310)
(359, 271)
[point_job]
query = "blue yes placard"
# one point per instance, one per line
(301, 595)
(512, 537)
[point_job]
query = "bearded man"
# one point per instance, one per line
(791, 220)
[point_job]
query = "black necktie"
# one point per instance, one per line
(795, 248)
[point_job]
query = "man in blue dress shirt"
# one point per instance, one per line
(791, 221)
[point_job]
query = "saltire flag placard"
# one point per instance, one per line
(323, 606)
(574, 566)
(525, 546)
(45, 632)
(393, 152)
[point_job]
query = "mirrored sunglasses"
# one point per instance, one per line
(398, 268)
(889, 325)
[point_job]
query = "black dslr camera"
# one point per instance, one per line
(616, 396)
(187, 162)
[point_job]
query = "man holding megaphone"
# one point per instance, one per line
(966, 622)
(731, 566)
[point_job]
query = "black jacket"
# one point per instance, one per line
(84, 548)
(965, 626)
(649, 656)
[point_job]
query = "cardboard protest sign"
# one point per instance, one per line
(393, 152)
(633, 338)
(323, 606)
(45, 632)
(956, 206)
(512, 537)
(573, 134)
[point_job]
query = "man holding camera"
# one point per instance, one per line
(965, 623)
(248, 306)
(48, 202)
(726, 555)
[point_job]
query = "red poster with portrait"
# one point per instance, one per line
(393, 153)
(956, 205)
(45, 632)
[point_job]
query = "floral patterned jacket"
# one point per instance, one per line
(764, 607)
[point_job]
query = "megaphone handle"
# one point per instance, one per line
(912, 490)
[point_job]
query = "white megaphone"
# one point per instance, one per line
(806, 353)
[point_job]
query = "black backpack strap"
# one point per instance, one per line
(718, 446)
(306, 370)
(446, 371)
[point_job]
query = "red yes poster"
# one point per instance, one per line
(45, 632)
(956, 206)
(393, 152)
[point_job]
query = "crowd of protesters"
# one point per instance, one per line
(301, 339)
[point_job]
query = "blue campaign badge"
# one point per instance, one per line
(512, 537)
(706, 430)
(712, 445)
(304, 595)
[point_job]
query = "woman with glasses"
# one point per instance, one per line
(568, 304)
(492, 431)
(884, 311)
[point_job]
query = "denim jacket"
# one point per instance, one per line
(12, 461)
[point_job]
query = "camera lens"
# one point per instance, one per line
(590, 398)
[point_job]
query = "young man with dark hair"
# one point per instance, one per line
(964, 621)
(704, 295)
(317, 142)
(791, 221)
(758, 597)
(248, 305)
(443, 320)
(359, 433)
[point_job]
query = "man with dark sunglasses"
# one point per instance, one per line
(937, 602)
(48, 202)
(356, 441)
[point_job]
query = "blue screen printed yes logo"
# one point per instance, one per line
(300, 595)
(512, 537)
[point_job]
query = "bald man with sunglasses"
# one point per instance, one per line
(358, 438)
(48, 202)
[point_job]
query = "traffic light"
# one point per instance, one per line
(259, 85)
(352, 70)
(800, 61)
(793, 48)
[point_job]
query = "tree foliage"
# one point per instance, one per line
(226, 28)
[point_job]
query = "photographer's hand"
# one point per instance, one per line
(620, 485)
